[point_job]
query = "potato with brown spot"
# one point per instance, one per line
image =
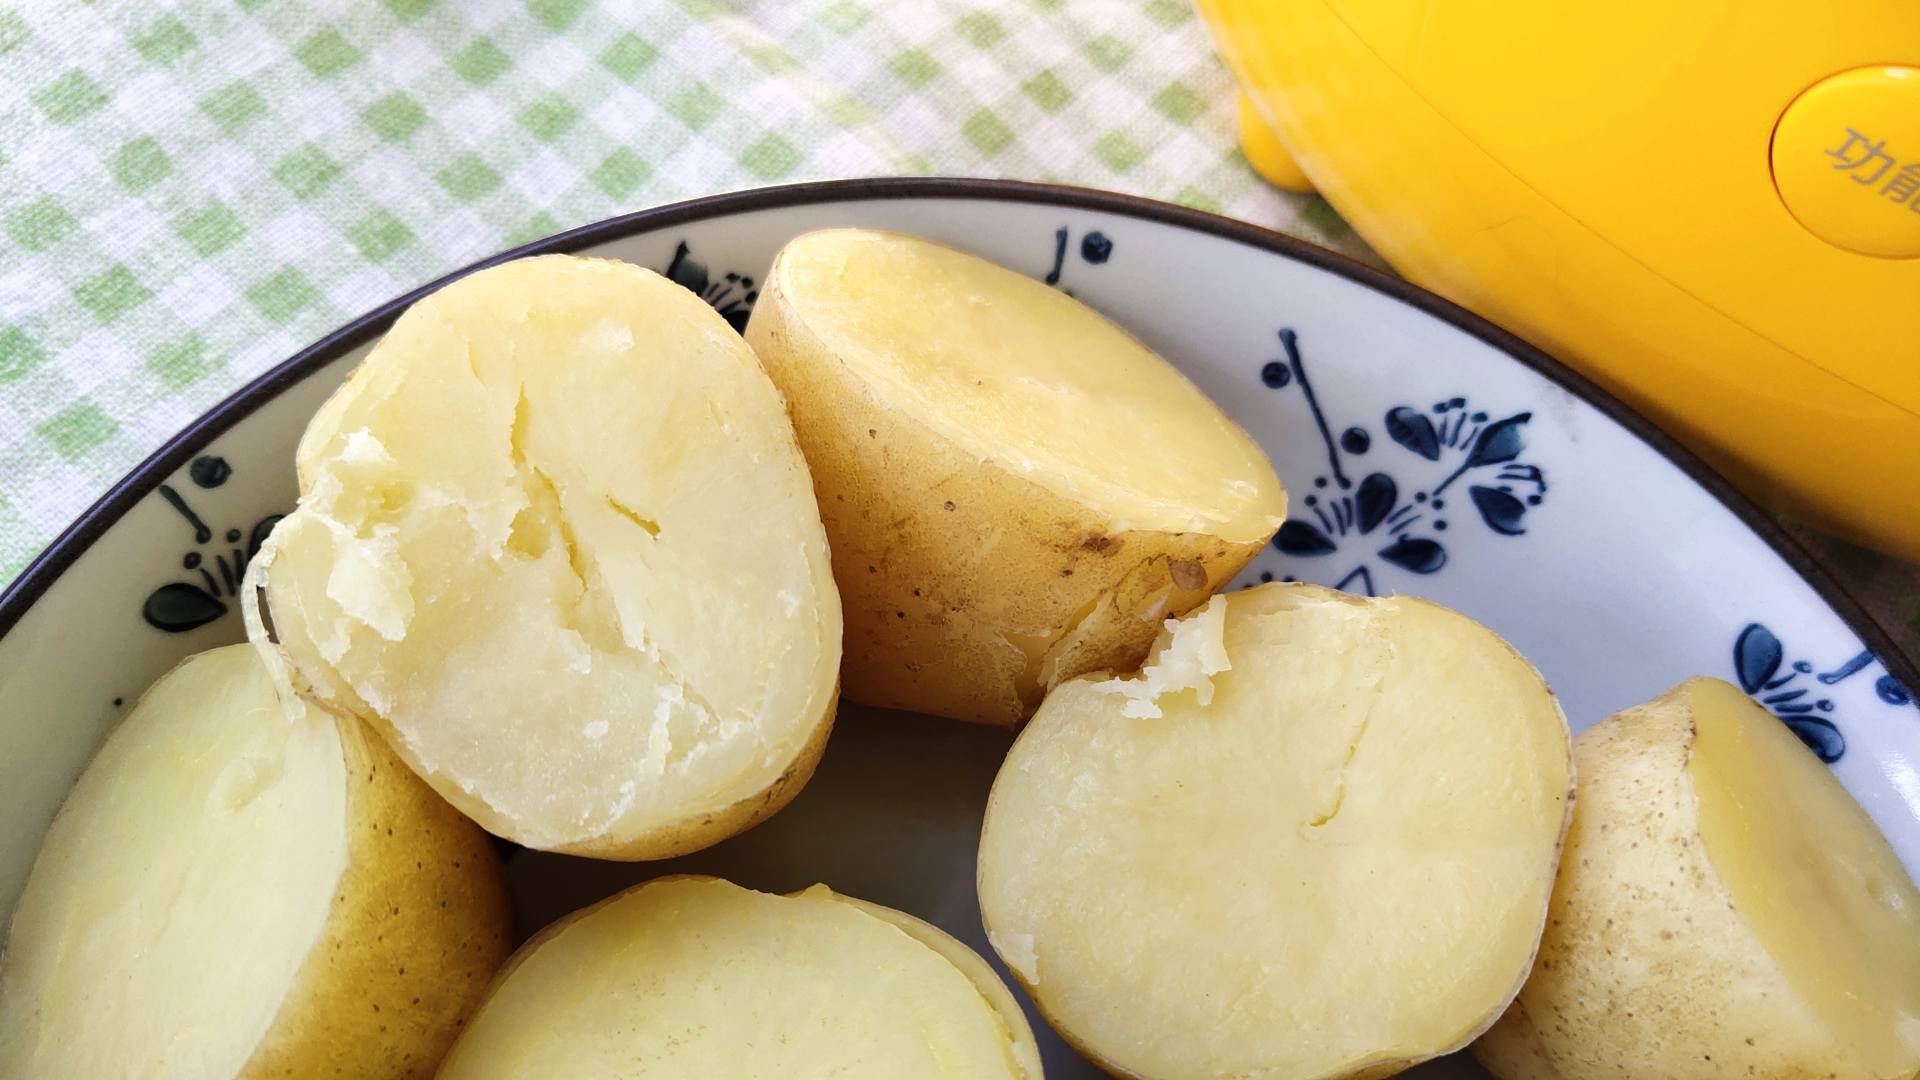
(1020, 491)
(1724, 909)
(238, 887)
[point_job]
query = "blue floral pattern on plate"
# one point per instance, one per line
(731, 294)
(1795, 692)
(1382, 516)
(179, 606)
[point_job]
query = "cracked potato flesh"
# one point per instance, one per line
(1314, 837)
(556, 541)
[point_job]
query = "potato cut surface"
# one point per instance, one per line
(1314, 838)
(229, 889)
(1724, 909)
(160, 861)
(696, 977)
(1029, 377)
(555, 539)
(1016, 491)
(1821, 888)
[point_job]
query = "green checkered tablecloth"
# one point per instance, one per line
(190, 192)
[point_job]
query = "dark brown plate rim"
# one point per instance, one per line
(45, 569)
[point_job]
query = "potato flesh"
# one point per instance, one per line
(1011, 370)
(1810, 875)
(1023, 1049)
(695, 977)
(1342, 861)
(557, 540)
(182, 885)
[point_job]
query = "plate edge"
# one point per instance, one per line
(40, 573)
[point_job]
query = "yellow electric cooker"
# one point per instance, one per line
(1712, 207)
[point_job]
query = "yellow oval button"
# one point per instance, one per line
(1846, 160)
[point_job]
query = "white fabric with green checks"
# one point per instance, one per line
(190, 192)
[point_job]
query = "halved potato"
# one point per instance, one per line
(1313, 838)
(1724, 909)
(1016, 490)
(696, 977)
(555, 540)
(238, 887)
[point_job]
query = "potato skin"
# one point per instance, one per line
(418, 927)
(1644, 969)
(966, 589)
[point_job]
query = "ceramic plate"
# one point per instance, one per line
(1425, 452)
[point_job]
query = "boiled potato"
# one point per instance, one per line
(555, 541)
(1016, 491)
(242, 888)
(1724, 909)
(696, 977)
(1315, 837)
